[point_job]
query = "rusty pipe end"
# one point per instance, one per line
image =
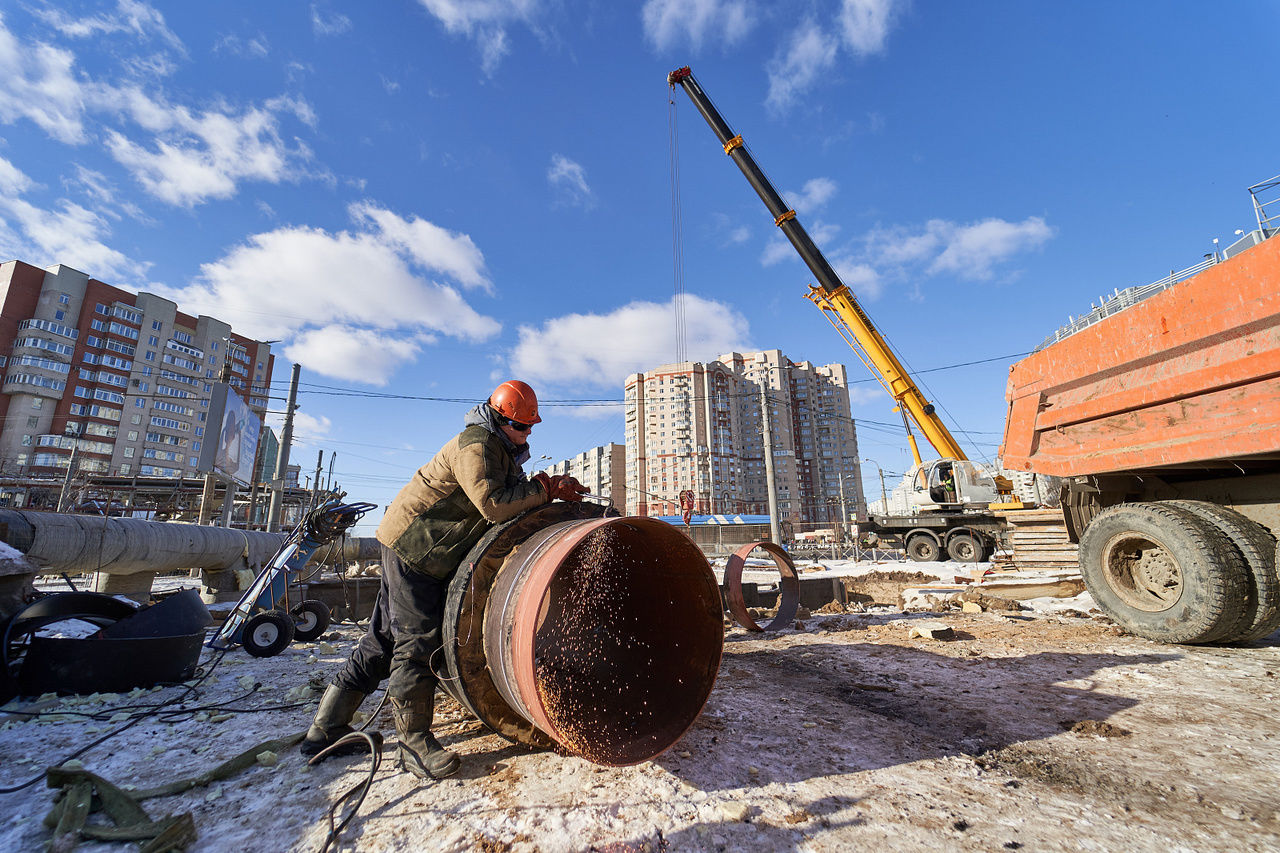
(615, 636)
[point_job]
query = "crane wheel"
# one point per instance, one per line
(923, 548)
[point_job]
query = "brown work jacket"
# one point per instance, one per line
(471, 484)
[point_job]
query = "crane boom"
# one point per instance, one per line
(831, 295)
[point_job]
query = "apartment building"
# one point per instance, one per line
(124, 379)
(698, 426)
(603, 470)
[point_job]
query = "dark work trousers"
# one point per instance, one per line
(403, 635)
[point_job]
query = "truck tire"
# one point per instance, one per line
(923, 548)
(1162, 573)
(1261, 612)
(964, 548)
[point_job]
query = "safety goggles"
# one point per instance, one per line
(516, 425)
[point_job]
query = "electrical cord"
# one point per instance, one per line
(128, 725)
(360, 789)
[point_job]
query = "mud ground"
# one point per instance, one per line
(1025, 732)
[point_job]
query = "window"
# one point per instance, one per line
(140, 403)
(157, 325)
(32, 422)
(136, 419)
(128, 453)
(133, 435)
(59, 315)
(37, 402)
(151, 355)
(64, 299)
(124, 469)
(26, 441)
(152, 340)
(214, 346)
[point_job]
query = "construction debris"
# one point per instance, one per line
(931, 631)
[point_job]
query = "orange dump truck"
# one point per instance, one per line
(1163, 420)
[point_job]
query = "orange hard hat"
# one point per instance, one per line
(515, 400)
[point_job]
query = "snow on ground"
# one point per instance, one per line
(1037, 730)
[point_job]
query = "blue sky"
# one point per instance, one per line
(420, 198)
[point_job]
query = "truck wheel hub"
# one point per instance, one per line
(1142, 573)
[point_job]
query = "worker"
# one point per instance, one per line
(948, 485)
(474, 482)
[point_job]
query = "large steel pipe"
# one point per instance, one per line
(62, 542)
(605, 634)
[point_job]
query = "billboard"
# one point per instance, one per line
(231, 450)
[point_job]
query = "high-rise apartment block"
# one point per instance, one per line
(124, 379)
(698, 427)
(603, 470)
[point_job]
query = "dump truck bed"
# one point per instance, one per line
(1189, 378)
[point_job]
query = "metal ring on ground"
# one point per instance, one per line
(788, 596)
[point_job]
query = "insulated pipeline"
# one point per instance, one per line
(605, 634)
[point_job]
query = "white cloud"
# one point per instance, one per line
(865, 24)
(808, 53)
(859, 277)
(130, 17)
(13, 181)
(779, 248)
(816, 193)
(258, 47)
(357, 355)
(601, 349)
(433, 247)
(69, 234)
(674, 23)
(352, 304)
(37, 83)
(861, 28)
(189, 155)
(197, 156)
(569, 180)
(972, 250)
(328, 25)
(485, 22)
(307, 428)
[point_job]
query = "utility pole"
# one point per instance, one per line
(282, 458)
(315, 484)
(884, 498)
(775, 533)
(71, 471)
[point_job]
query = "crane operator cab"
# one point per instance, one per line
(951, 484)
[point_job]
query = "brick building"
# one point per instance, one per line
(126, 377)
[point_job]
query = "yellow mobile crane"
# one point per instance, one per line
(944, 504)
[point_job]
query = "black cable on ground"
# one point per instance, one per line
(130, 724)
(374, 742)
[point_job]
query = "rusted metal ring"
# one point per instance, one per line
(789, 595)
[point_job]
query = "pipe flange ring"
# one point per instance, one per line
(789, 595)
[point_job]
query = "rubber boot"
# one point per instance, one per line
(420, 753)
(333, 719)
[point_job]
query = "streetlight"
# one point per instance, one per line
(884, 498)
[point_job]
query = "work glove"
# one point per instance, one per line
(543, 480)
(568, 488)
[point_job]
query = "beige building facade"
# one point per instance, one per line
(697, 426)
(603, 470)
